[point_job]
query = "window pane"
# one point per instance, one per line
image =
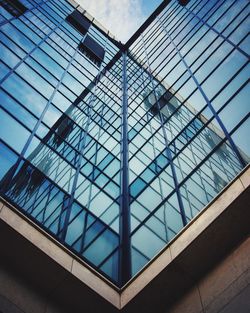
(12, 132)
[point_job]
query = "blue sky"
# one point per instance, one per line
(150, 5)
(121, 17)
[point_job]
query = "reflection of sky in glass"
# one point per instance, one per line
(177, 155)
(207, 47)
(12, 132)
(25, 94)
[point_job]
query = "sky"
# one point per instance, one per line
(121, 17)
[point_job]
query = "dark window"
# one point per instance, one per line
(14, 7)
(92, 50)
(167, 103)
(183, 2)
(79, 22)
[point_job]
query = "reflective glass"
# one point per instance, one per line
(137, 145)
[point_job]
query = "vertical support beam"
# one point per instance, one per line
(125, 240)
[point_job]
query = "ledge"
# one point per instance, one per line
(213, 233)
(22, 240)
(200, 245)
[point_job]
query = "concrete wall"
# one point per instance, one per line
(225, 289)
(16, 296)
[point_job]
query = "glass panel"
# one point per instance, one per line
(13, 133)
(7, 160)
(241, 139)
(101, 247)
(24, 93)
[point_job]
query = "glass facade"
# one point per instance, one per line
(113, 149)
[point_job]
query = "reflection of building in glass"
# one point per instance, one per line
(114, 148)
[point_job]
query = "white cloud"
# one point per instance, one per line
(121, 17)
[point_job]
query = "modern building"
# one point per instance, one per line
(124, 174)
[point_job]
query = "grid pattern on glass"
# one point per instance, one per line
(182, 147)
(61, 133)
(113, 157)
